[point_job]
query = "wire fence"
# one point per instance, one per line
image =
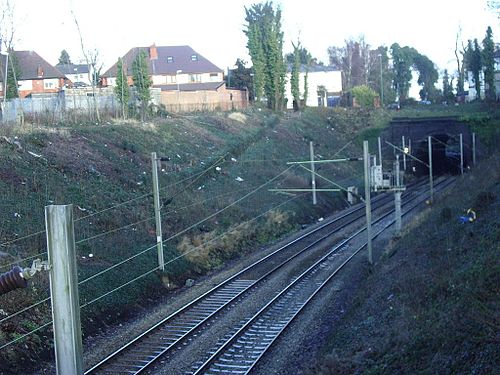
(120, 266)
(109, 268)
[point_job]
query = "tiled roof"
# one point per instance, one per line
(169, 59)
(31, 64)
(73, 68)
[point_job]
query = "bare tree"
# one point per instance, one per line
(459, 56)
(352, 59)
(7, 33)
(7, 25)
(91, 58)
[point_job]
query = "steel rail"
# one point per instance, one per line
(174, 329)
(251, 327)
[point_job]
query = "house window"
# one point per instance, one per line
(194, 78)
(194, 57)
(170, 59)
(214, 77)
(48, 85)
(173, 79)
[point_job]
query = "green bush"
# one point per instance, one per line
(364, 95)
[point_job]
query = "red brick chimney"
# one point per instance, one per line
(153, 52)
(39, 71)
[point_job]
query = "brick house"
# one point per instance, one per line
(187, 80)
(37, 75)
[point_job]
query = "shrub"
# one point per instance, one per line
(364, 95)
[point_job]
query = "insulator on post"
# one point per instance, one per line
(12, 280)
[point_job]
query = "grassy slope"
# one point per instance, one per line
(105, 172)
(98, 168)
(431, 306)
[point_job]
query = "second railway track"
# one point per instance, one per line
(185, 324)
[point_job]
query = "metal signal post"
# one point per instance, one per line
(366, 158)
(156, 198)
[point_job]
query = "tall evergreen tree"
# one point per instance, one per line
(402, 58)
(427, 75)
(256, 52)
(64, 58)
(13, 76)
(473, 58)
(295, 77)
(243, 77)
(142, 81)
(447, 87)
(122, 91)
(488, 63)
(305, 57)
(306, 86)
(265, 46)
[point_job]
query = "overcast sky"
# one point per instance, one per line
(214, 27)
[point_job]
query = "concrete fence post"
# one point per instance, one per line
(64, 289)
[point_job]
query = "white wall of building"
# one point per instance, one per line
(473, 94)
(25, 85)
(331, 80)
(79, 77)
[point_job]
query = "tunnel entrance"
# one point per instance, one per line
(445, 155)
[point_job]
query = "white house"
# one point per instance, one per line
(324, 86)
(472, 92)
(78, 74)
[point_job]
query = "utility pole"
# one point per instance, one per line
(379, 151)
(431, 182)
(381, 84)
(461, 154)
(404, 154)
(474, 149)
(156, 198)
(366, 158)
(313, 175)
(397, 198)
(5, 80)
(64, 289)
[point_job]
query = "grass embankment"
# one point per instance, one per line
(431, 304)
(218, 161)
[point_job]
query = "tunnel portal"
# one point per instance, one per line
(445, 139)
(445, 156)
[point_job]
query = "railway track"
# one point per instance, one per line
(240, 353)
(141, 353)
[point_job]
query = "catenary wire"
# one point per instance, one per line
(25, 335)
(196, 176)
(113, 230)
(241, 224)
(186, 229)
(226, 207)
(178, 257)
(117, 265)
(24, 310)
(152, 217)
(118, 288)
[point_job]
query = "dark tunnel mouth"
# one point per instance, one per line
(445, 156)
